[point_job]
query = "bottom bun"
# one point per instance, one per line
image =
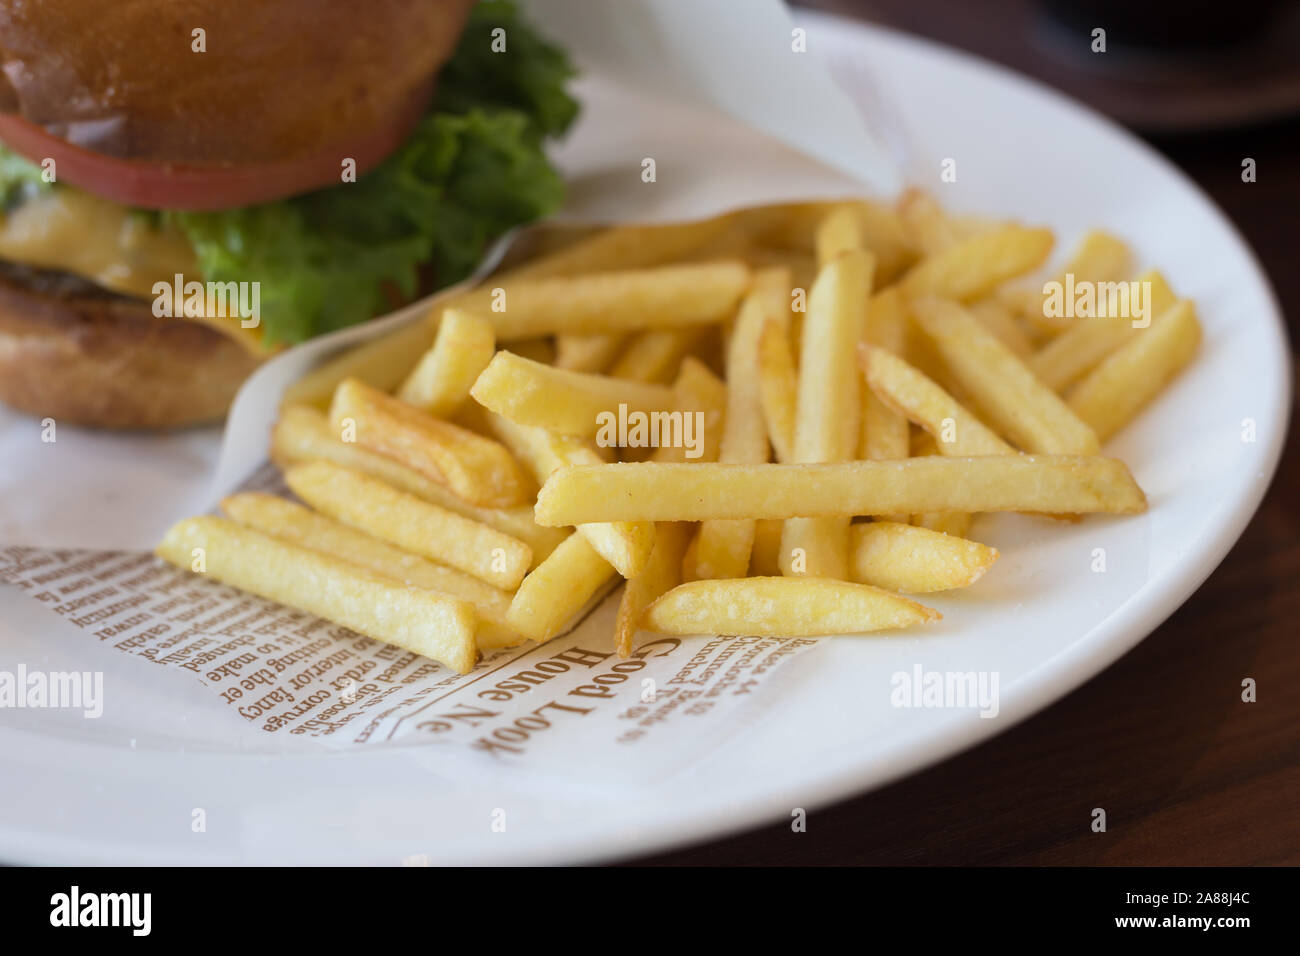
(76, 354)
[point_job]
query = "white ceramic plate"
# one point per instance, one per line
(1044, 621)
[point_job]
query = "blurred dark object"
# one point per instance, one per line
(1168, 66)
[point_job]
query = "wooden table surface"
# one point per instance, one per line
(1188, 773)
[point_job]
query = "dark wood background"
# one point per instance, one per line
(1188, 773)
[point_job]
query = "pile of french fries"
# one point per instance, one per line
(866, 378)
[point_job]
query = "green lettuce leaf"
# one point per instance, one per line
(473, 168)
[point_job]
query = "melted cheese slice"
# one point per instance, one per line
(73, 231)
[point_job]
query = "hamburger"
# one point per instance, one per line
(301, 165)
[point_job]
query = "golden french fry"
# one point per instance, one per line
(384, 512)
(476, 468)
(1080, 348)
(624, 544)
(573, 403)
(956, 431)
(722, 547)
(304, 434)
(655, 355)
(902, 557)
(557, 589)
(840, 231)
(826, 413)
(411, 618)
(613, 302)
(588, 353)
(973, 267)
(648, 491)
(697, 389)
(462, 347)
(1020, 406)
(1122, 385)
(661, 574)
(782, 607)
(778, 387)
(291, 522)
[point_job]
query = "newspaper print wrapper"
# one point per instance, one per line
(733, 115)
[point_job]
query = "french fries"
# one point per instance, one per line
(477, 469)
(647, 491)
(626, 544)
(424, 526)
(782, 607)
(1117, 389)
(722, 547)
(406, 521)
(662, 573)
(972, 268)
(912, 560)
(626, 301)
(463, 346)
(827, 408)
(557, 589)
(1022, 408)
(415, 619)
(905, 390)
(291, 522)
(573, 403)
(303, 434)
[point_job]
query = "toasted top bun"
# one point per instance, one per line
(276, 79)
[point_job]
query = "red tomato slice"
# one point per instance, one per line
(155, 185)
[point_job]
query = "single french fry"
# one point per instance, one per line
(826, 413)
(1020, 406)
(649, 491)
(840, 231)
(594, 352)
(782, 607)
(624, 544)
(557, 589)
(1080, 348)
(283, 519)
(424, 622)
(972, 268)
(778, 387)
(462, 347)
(624, 301)
(1122, 385)
(572, 403)
(384, 512)
(902, 557)
(697, 389)
(476, 468)
(661, 574)
(956, 431)
(304, 434)
(722, 547)
(655, 355)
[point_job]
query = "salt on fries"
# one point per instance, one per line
(876, 360)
